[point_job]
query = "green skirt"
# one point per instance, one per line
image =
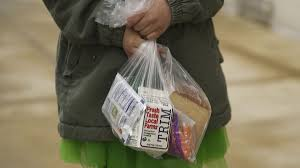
(115, 155)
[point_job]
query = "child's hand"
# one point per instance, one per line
(131, 41)
(152, 23)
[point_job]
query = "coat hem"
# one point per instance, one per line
(83, 133)
(104, 133)
(220, 120)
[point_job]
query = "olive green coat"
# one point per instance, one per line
(89, 55)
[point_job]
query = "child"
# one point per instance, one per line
(90, 54)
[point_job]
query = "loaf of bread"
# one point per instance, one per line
(189, 102)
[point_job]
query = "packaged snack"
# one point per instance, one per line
(182, 139)
(123, 108)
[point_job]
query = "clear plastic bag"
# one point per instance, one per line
(161, 86)
(191, 107)
(114, 13)
(182, 139)
(147, 89)
(138, 105)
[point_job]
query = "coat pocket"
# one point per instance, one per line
(71, 60)
(81, 60)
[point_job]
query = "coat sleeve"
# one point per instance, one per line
(194, 11)
(76, 20)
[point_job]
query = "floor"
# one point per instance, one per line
(262, 70)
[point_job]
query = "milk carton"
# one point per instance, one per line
(151, 132)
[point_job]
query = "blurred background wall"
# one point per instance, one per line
(259, 40)
(281, 16)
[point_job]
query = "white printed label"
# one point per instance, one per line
(123, 107)
(152, 131)
(156, 125)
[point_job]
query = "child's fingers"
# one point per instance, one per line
(132, 20)
(153, 36)
(147, 30)
(142, 23)
(130, 51)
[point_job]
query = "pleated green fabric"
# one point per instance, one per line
(115, 155)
